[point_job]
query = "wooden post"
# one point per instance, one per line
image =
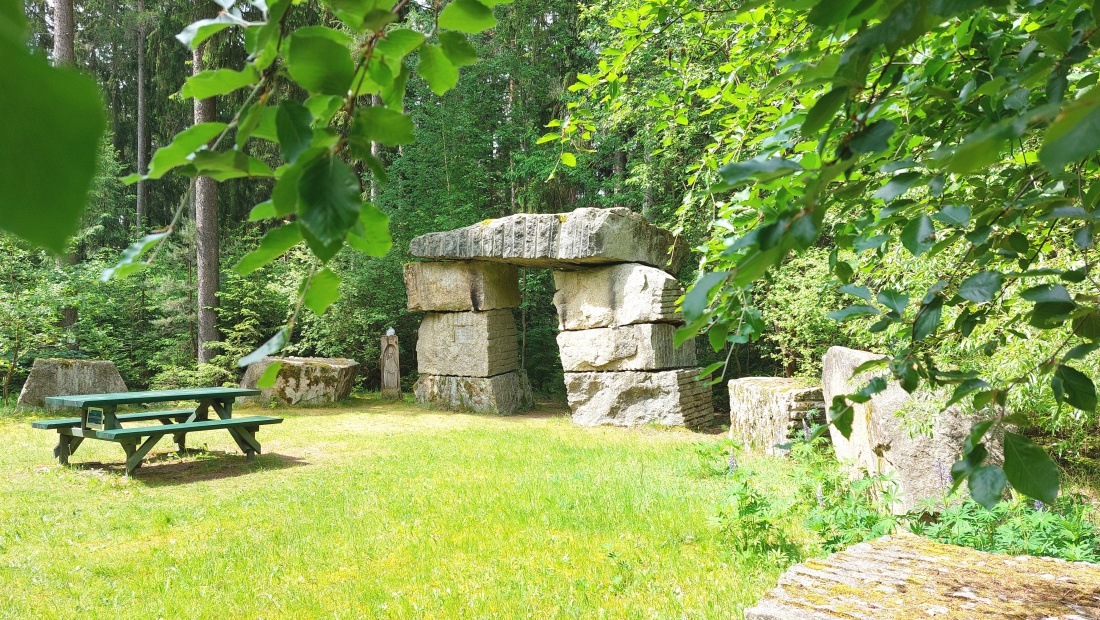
(390, 363)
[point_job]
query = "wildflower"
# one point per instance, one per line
(1040, 506)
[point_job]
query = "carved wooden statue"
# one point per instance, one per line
(390, 362)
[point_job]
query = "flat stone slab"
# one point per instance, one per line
(614, 296)
(884, 442)
(584, 237)
(304, 380)
(648, 346)
(461, 286)
(669, 398)
(65, 377)
(468, 344)
(504, 394)
(904, 576)
(764, 411)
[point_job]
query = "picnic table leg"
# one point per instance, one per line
(134, 455)
(63, 449)
(179, 438)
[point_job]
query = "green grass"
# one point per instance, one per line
(376, 510)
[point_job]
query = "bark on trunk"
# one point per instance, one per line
(142, 155)
(376, 151)
(206, 237)
(63, 29)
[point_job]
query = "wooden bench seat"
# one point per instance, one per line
(140, 416)
(185, 427)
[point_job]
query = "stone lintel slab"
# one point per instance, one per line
(467, 344)
(461, 286)
(504, 394)
(634, 398)
(645, 346)
(584, 237)
(614, 296)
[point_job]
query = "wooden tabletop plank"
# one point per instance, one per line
(151, 396)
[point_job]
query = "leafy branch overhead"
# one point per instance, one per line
(317, 197)
(959, 139)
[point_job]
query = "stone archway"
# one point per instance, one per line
(616, 314)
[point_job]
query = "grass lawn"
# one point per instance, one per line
(374, 510)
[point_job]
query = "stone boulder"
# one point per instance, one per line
(884, 441)
(65, 377)
(765, 411)
(648, 346)
(669, 398)
(903, 577)
(615, 296)
(467, 344)
(502, 394)
(304, 380)
(461, 286)
(584, 237)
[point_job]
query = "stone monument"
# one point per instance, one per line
(390, 364)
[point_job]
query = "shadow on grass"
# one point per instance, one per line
(195, 465)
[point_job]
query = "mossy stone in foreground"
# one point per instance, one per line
(906, 576)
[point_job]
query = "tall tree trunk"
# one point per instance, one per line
(206, 236)
(142, 155)
(376, 151)
(63, 30)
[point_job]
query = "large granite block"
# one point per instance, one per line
(461, 286)
(65, 377)
(584, 237)
(614, 296)
(304, 380)
(467, 344)
(764, 411)
(670, 398)
(648, 346)
(503, 394)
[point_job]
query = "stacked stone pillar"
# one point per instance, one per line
(467, 350)
(622, 367)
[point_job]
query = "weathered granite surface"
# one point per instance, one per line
(468, 344)
(614, 296)
(584, 237)
(882, 442)
(765, 411)
(904, 576)
(670, 398)
(460, 286)
(503, 394)
(304, 380)
(646, 346)
(65, 377)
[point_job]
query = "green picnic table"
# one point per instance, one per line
(99, 420)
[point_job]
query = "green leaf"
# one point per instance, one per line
(458, 48)
(292, 126)
(179, 152)
(1029, 469)
(856, 290)
(328, 199)
(318, 63)
(841, 416)
(987, 485)
(371, 235)
(699, 294)
(50, 127)
(918, 236)
(825, 108)
(874, 138)
(981, 287)
(569, 159)
(377, 124)
(225, 165)
(893, 300)
(1074, 136)
(271, 346)
(194, 34)
(897, 186)
(953, 215)
(436, 69)
(128, 262)
(323, 289)
(467, 16)
(398, 44)
(852, 311)
(271, 374)
(274, 244)
(1075, 387)
(219, 82)
(928, 319)
(733, 174)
